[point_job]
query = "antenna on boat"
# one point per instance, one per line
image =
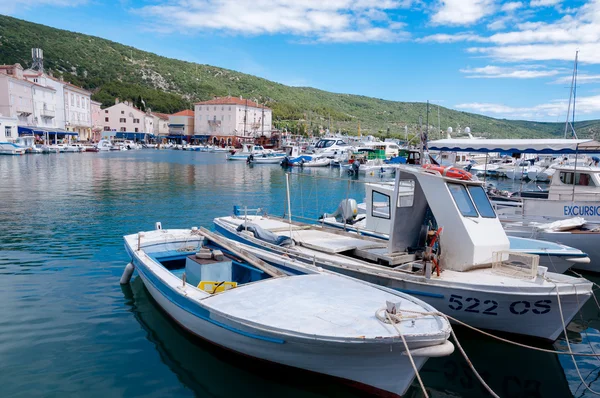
(572, 97)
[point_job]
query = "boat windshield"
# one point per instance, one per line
(482, 202)
(463, 200)
(324, 143)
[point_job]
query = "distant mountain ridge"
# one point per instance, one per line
(167, 85)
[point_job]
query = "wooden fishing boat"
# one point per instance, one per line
(293, 314)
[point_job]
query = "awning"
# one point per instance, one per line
(126, 135)
(516, 146)
(200, 137)
(178, 137)
(43, 130)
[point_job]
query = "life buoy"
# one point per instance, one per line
(449, 171)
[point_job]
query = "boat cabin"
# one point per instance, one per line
(291, 151)
(575, 183)
(391, 149)
(424, 200)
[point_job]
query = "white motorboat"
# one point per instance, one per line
(10, 148)
(130, 145)
(247, 150)
(218, 149)
(316, 162)
(466, 270)
(106, 145)
(271, 158)
(28, 142)
(518, 171)
(303, 318)
(574, 191)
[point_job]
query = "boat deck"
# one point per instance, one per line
(322, 305)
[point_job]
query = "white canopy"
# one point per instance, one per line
(516, 145)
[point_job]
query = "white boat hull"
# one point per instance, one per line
(357, 364)
(373, 362)
(531, 310)
(9, 148)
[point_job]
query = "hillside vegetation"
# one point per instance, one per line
(167, 85)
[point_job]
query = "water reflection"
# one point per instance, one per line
(65, 329)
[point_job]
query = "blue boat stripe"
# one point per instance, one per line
(155, 281)
(418, 293)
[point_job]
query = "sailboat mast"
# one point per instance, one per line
(571, 95)
(427, 127)
(439, 125)
(574, 95)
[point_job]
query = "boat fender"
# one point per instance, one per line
(434, 351)
(127, 273)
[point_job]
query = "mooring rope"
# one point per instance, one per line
(462, 351)
(412, 362)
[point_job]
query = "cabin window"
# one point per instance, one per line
(582, 179)
(462, 200)
(7, 131)
(380, 205)
(406, 193)
(482, 202)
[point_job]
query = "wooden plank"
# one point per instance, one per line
(241, 253)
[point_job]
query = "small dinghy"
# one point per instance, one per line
(296, 315)
(274, 158)
(316, 162)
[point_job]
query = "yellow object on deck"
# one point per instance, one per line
(216, 287)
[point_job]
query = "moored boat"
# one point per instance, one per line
(466, 269)
(295, 315)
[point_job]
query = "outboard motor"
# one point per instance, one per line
(346, 211)
(250, 159)
(354, 168)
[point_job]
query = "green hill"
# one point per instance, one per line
(167, 85)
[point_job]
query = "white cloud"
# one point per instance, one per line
(333, 20)
(9, 7)
(446, 38)
(462, 12)
(496, 72)
(543, 41)
(589, 53)
(544, 3)
(512, 6)
(552, 109)
(581, 79)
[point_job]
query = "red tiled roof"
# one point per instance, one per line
(186, 112)
(231, 101)
(163, 116)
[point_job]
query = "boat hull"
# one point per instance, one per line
(528, 312)
(586, 242)
(381, 368)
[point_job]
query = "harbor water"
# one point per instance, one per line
(67, 328)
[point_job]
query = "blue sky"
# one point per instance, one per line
(509, 59)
